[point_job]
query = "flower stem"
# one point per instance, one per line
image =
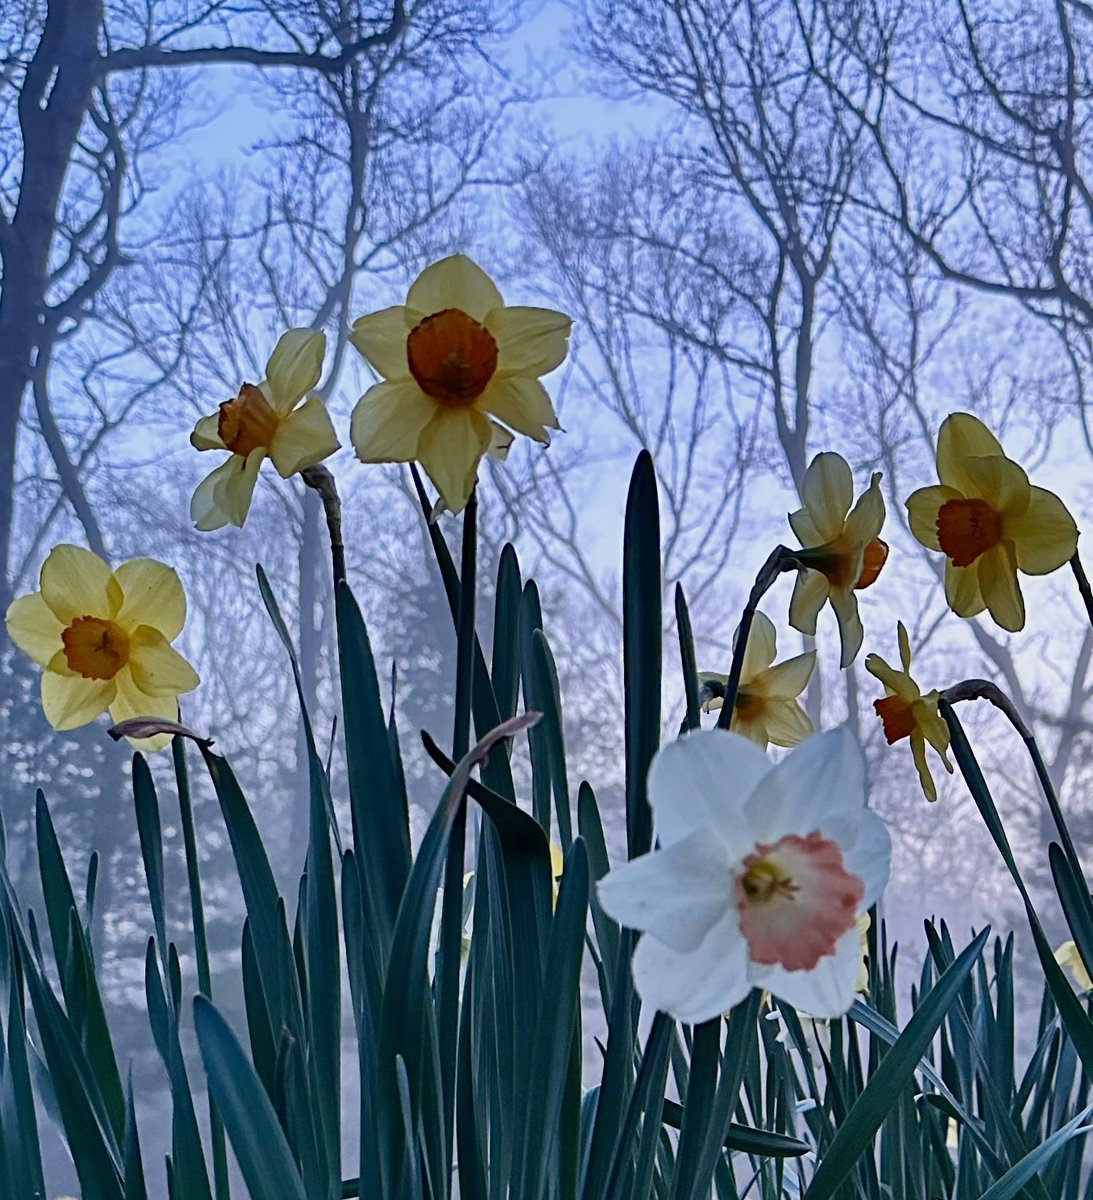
(1083, 584)
(319, 478)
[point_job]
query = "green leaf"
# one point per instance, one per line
(505, 672)
(1029, 1167)
(151, 842)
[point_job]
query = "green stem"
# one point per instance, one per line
(1083, 585)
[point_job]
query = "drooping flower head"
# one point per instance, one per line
(104, 638)
(989, 522)
(265, 421)
(766, 708)
(842, 548)
(906, 713)
(455, 360)
(760, 878)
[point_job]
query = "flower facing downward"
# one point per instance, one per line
(455, 360)
(989, 522)
(104, 638)
(906, 713)
(842, 553)
(760, 878)
(766, 708)
(265, 421)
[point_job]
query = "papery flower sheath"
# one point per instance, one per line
(104, 638)
(842, 550)
(455, 361)
(265, 421)
(766, 708)
(989, 522)
(761, 874)
(908, 713)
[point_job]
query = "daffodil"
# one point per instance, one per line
(1067, 956)
(842, 550)
(906, 713)
(104, 638)
(265, 421)
(862, 985)
(989, 522)
(455, 360)
(761, 874)
(766, 708)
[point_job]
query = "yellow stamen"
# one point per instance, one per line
(765, 880)
(94, 648)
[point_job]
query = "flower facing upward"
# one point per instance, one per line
(453, 358)
(760, 878)
(989, 522)
(906, 713)
(104, 638)
(263, 422)
(766, 708)
(842, 553)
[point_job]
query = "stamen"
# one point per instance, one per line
(94, 648)
(966, 529)
(452, 356)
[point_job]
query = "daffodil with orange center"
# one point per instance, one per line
(842, 550)
(104, 638)
(265, 420)
(989, 522)
(455, 361)
(906, 712)
(766, 707)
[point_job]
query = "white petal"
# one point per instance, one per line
(810, 592)
(761, 648)
(827, 492)
(701, 782)
(294, 367)
(224, 496)
(206, 434)
(696, 985)
(676, 894)
(380, 337)
(828, 990)
(454, 282)
(867, 849)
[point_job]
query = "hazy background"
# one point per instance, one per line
(781, 226)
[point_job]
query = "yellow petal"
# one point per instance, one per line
(1000, 481)
(933, 726)
(380, 338)
(70, 701)
(130, 702)
(530, 341)
(810, 593)
(787, 722)
(388, 421)
(804, 527)
(918, 753)
(156, 666)
(153, 596)
(77, 583)
(454, 282)
(962, 589)
(1044, 536)
(1067, 956)
(206, 434)
(851, 633)
(523, 405)
(866, 518)
(761, 648)
(897, 683)
(752, 728)
(223, 497)
(303, 438)
(501, 440)
(787, 680)
(33, 628)
(294, 367)
(827, 492)
(922, 509)
(904, 645)
(999, 586)
(961, 437)
(451, 447)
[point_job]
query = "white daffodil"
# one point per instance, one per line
(760, 878)
(263, 422)
(455, 360)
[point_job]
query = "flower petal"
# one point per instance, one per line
(224, 496)
(810, 592)
(501, 440)
(805, 528)
(380, 338)
(867, 849)
(206, 434)
(828, 990)
(454, 282)
(787, 723)
(922, 766)
(523, 404)
(866, 518)
(157, 667)
(294, 367)
(999, 586)
(130, 702)
(1044, 536)
(851, 632)
(70, 701)
(787, 680)
(676, 894)
(450, 449)
(33, 628)
(827, 492)
(696, 985)
(761, 648)
(962, 589)
(530, 341)
(303, 438)
(922, 509)
(1000, 481)
(153, 596)
(960, 438)
(700, 782)
(77, 583)
(388, 422)
(897, 683)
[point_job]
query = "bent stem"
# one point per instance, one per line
(1083, 584)
(320, 480)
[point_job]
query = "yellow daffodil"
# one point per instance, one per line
(263, 422)
(842, 553)
(1067, 956)
(104, 638)
(989, 522)
(454, 358)
(906, 713)
(766, 707)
